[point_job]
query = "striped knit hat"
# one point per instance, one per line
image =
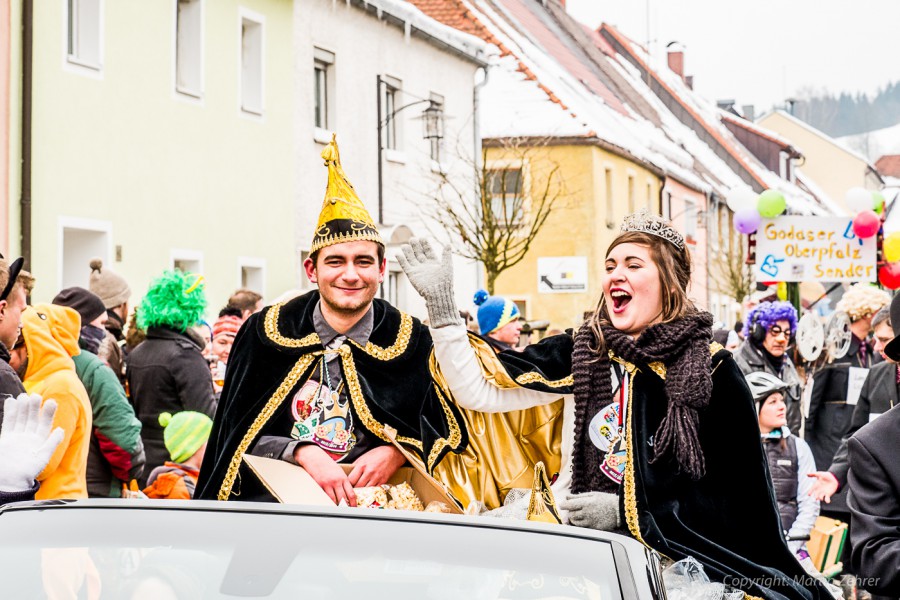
(227, 325)
(494, 312)
(184, 433)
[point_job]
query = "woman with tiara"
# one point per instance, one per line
(659, 433)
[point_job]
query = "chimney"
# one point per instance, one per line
(676, 58)
(689, 81)
(749, 112)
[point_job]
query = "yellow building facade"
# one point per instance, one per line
(594, 189)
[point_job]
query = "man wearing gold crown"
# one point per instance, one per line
(321, 379)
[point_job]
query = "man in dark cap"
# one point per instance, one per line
(13, 300)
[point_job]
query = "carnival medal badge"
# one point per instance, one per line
(605, 432)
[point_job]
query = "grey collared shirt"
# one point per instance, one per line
(283, 447)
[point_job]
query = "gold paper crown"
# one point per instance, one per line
(646, 222)
(344, 217)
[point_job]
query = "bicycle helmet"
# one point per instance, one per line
(763, 385)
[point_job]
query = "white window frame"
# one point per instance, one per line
(631, 191)
(324, 59)
(77, 64)
(436, 146)
(254, 263)
(253, 113)
(690, 219)
(186, 254)
(609, 185)
(396, 152)
(183, 93)
(524, 176)
(64, 223)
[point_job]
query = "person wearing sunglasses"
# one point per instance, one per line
(767, 336)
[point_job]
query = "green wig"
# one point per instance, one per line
(175, 300)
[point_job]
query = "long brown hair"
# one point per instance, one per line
(674, 267)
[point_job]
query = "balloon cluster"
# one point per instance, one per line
(868, 206)
(750, 209)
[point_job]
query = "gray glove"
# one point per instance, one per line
(432, 277)
(596, 510)
(26, 442)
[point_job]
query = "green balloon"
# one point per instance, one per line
(770, 204)
(878, 202)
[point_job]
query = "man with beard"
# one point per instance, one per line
(318, 380)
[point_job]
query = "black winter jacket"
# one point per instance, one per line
(167, 373)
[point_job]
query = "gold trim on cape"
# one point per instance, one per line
(532, 377)
(271, 328)
(262, 418)
(359, 402)
(404, 332)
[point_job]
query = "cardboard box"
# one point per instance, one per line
(826, 543)
(291, 484)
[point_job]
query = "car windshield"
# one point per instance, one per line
(188, 554)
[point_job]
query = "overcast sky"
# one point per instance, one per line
(764, 51)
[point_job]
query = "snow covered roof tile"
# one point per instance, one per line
(888, 165)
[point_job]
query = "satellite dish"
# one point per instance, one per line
(810, 337)
(837, 334)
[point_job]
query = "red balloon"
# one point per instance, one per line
(866, 224)
(889, 276)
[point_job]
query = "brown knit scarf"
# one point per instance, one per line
(683, 347)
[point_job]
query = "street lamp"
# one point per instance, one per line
(432, 130)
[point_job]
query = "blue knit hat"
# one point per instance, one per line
(494, 312)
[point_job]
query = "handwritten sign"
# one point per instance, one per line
(813, 249)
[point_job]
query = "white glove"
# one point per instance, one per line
(432, 277)
(25, 446)
(595, 510)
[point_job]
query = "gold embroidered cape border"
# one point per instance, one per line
(391, 352)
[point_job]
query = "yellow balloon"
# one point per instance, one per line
(891, 247)
(781, 291)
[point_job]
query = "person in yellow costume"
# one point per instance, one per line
(41, 356)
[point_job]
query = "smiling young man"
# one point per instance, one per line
(316, 381)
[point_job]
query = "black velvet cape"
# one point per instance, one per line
(727, 520)
(389, 383)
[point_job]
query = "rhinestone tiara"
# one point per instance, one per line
(646, 222)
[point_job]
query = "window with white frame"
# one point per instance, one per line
(690, 219)
(323, 75)
(507, 194)
(84, 33)
(189, 47)
(252, 275)
(437, 102)
(188, 261)
(252, 43)
(631, 199)
(608, 181)
(391, 102)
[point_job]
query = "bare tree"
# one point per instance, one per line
(731, 274)
(497, 225)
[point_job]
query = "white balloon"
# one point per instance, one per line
(858, 199)
(741, 197)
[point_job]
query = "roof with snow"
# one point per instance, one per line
(888, 165)
(414, 22)
(818, 133)
(705, 119)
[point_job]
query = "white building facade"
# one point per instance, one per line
(382, 67)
